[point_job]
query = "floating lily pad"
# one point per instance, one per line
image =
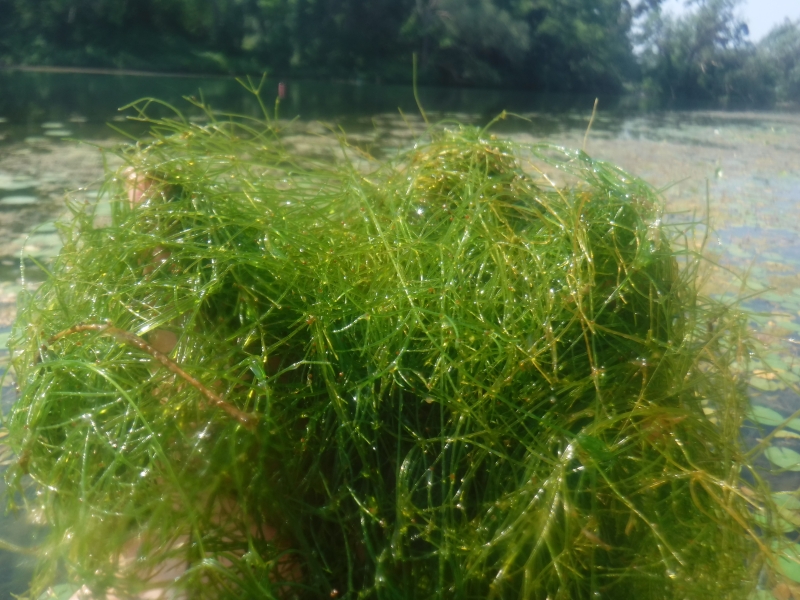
(776, 360)
(790, 376)
(62, 591)
(782, 525)
(789, 561)
(772, 418)
(766, 416)
(52, 125)
(789, 325)
(737, 252)
(772, 297)
(58, 132)
(18, 200)
(43, 244)
(785, 458)
(786, 500)
(3, 120)
(767, 385)
(9, 183)
(48, 227)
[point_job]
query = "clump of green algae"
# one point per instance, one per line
(436, 376)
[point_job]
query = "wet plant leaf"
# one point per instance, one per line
(787, 500)
(766, 416)
(62, 591)
(789, 561)
(766, 385)
(785, 458)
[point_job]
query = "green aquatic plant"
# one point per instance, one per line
(476, 369)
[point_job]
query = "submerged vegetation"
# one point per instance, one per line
(476, 369)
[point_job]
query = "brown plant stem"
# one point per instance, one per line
(248, 420)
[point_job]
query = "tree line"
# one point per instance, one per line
(591, 46)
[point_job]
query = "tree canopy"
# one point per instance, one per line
(588, 46)
(559, 45)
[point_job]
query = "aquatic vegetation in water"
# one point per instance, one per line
(474, 370)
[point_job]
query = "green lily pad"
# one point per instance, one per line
(789, 376)
(788, 325)
(18, 200)
(772, 297)
(783, 526)
(777, 361)
(52, 125)
(46, 227)
(771, 418)
(766, 416)
(62, 591)
(785, 458)
(737, 252)
(58, 132)
(9, 183)
(786, 500)
(790, 301)
(789, 562)
(767, 385)
(761, 319)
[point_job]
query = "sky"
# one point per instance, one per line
(760, 15)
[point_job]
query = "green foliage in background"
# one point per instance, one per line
(475, 370)
(779, 53)
(579, 45)
(692, 55)
(573, 45)
(584, 46)
(706, 55)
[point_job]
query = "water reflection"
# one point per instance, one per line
(81, 104)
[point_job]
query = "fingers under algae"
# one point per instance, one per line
(477, 369)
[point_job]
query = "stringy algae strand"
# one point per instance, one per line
(477, 369)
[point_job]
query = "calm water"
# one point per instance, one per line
(748, 159)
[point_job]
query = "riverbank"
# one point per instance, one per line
(103, 71)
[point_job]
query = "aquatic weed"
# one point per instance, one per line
(475, 370)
